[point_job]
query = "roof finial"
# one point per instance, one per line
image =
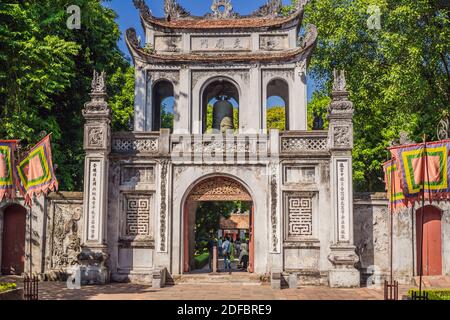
(173, 10)
(340, 83)
(98, 84)
(222, 9)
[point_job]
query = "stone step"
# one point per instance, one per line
(433, 281)
(244, 279)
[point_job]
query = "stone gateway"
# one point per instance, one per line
(135, 219)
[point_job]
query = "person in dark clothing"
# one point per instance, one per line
(211, 244)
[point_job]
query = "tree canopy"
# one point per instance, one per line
(45, 75)
(398, 75)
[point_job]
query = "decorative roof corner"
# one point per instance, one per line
(173, 10)
(271, 9)
(143, 9)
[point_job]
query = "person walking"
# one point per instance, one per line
(211, 243)
(226, 250)
(219, 246)
(243, 256)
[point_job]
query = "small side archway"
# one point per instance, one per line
(277, 104)
(431, 247)
(13, 230)
(163, 100)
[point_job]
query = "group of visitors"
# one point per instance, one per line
(228, 249)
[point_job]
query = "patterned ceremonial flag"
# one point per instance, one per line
(393, 186)
(418, 171)
(36, 171)
(7, 169)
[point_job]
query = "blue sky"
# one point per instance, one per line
(128, 16)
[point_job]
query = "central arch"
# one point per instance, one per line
(216, 189)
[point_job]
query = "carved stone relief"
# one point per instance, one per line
(95, 136)
(219, 188)
(342, 136)
(66, 235)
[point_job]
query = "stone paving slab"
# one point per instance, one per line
(125, 291)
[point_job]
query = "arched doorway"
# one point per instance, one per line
(432, 240)
(13, 240)
(214, 189)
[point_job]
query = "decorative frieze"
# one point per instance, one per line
(298, 215)
(219, 188)
(163, 212)
(208, 74)
(270, 74)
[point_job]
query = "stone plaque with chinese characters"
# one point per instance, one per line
(273, 42)
(93, 212)
(225, 43)
(298, 175)
(343, 200)
(168, 43)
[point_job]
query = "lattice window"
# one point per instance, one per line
(133, 145)
(304, 144)
(299, 212)
(137, 216)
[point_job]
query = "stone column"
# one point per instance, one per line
(97, 146)
(298, 97)
(342, 255)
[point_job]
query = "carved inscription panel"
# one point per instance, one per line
(273, 42)
(224, 43)
(168, 43)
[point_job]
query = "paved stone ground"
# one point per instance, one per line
(120, 291)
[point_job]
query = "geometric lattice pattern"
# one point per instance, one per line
(134, 145)
(299, 216)
(304, 144)
(138, 216)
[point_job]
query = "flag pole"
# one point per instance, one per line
(422, 213)
(392, 222)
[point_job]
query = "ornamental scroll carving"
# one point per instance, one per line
(163, 213)
(95, 137)
(273, 203)
(219, 189)
(66, 235)
(203, 75)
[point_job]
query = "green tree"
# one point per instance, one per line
(276, 118)
(46, 71)
(398, 76)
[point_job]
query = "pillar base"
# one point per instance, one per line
(344, 274)
(93, 267)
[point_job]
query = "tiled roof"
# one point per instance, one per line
(261, 56)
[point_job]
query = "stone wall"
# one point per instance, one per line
(372, 238)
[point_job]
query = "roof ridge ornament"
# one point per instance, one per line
(143, 8)
(173, 9)
(340, 103)
(98, 84)
(222, 9)
(271, 9)
(340, 83)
